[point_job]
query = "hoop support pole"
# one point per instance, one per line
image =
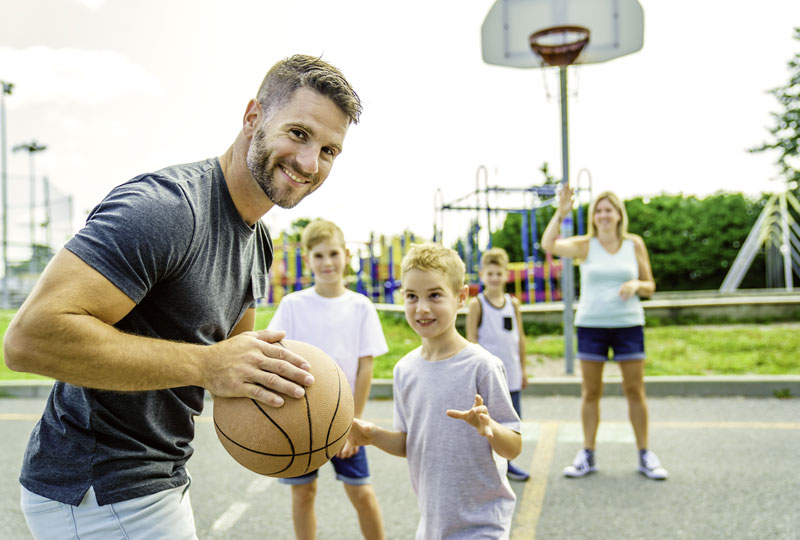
(567, 269)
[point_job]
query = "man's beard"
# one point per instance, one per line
(262, 168)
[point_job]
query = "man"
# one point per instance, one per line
(152, 302)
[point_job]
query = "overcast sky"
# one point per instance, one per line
(115, 88)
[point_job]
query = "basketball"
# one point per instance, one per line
(298, 437)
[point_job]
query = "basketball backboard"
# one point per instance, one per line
(616, 27)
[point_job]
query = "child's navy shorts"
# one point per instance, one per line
(627, 343)
(353, 470)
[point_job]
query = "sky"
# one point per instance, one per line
(115, 88)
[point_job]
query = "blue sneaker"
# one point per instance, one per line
(517, 474)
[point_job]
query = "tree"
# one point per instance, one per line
(786, 131)
(692, 242)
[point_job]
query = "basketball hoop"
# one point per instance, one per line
(559, 45)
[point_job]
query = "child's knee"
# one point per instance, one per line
(362, 496)
(305, 493)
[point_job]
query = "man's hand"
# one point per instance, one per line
(478, 417)
(251, 365)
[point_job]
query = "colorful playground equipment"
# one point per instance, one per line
(376, 272)
(530, 280)
(376, 263)
(375, 268)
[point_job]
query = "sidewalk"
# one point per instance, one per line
(567, 385)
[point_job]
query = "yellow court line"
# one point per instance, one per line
(729, 425)
(535, 488)
(722, 424)
(19, 416)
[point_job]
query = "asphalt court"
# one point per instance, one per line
(732, 462)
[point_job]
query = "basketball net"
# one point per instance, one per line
(559, 46)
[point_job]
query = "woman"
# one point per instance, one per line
(615, 272)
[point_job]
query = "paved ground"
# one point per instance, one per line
(733, 465)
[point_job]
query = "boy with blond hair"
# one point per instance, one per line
(494, 322)
(452, 410)
(345, 325)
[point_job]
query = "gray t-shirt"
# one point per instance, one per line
(174, 243)
(461, 484)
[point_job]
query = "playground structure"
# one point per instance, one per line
(777, 230)
(375, 266)
(530, 280)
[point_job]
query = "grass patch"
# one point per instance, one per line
(736, 349)
(739, 349)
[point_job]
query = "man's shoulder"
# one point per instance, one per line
(164, 190)
(188, 172)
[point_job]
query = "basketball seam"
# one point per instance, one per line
(310, 434)
(335, 411)
(270, 454)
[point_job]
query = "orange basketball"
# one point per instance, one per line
(298, 437)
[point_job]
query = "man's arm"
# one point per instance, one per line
(64, 330)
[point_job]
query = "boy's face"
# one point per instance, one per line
(328, 260)
(494, 277)
(430, 303)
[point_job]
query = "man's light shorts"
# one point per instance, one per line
(166, 515)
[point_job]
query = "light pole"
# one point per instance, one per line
(32, 147)
(7, 88)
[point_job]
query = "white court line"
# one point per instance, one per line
(230, 516)
(259, 485)
(236, 510)
(571, 432)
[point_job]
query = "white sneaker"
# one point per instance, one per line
(650, 466)
(580, 467)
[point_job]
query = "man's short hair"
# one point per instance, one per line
(320, 230)
(302, 71)
(496, 256)
(431, 257)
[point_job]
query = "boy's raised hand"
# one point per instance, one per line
(478, 417)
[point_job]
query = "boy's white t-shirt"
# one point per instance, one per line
(461, 484)
(346, 327)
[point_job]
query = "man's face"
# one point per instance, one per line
(292, 151)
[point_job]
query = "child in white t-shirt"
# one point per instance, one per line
(452, 410)
(345, 325)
